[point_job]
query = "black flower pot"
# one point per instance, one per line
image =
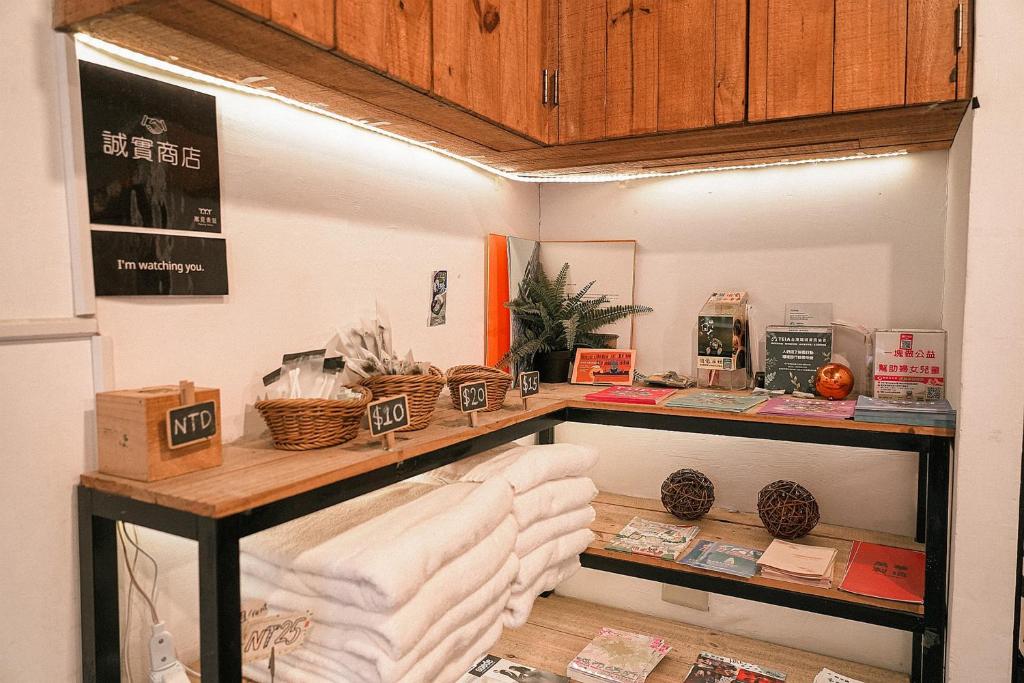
(553, 366)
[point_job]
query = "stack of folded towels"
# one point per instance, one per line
(551, 506)
(411, 584)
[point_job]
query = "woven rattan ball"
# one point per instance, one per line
(687, 494)
(787, 509)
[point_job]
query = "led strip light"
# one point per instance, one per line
(188, 74)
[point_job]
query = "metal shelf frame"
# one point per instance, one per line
(218, 539)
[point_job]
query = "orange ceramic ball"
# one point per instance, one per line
(834, 381)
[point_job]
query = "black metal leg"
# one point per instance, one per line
(97, 558)
(922, 496)
(936, 571)
(915, 659)
(546, 436)
(220, 638)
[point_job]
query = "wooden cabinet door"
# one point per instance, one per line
(631, 67)
(938, 50)
(870, 54)
(392, 36)
(489, 57)
(309, 19)
(258, 8)
(791, 43)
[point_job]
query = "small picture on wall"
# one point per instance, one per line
(603, 366)
(439, 298)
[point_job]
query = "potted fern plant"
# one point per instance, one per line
(550, 324)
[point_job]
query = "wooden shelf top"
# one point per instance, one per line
(614, 512)
(255, 474)
(559, 627)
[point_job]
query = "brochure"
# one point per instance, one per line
(492, 669)
(881, 571)
(722, 557)
(636, 395)
(654, 539)
(618, 657)
(830, 676)
(711, 400)
(808, 407)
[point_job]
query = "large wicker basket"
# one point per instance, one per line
(498, 383)
(421, 390)
(302, 424)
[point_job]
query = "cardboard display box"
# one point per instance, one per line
(134, 431)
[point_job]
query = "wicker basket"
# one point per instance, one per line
(498, 383)
(421, 390)
(302, 424)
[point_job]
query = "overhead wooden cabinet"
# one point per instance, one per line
(490, 57)
(557, 87)
(632, 67)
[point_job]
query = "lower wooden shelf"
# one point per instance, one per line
(615, 511)
(560, 627)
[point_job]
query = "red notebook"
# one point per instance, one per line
(648, 396)
(881, 571)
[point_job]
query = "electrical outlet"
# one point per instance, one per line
(685, 597)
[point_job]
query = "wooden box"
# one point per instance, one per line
(132, 433)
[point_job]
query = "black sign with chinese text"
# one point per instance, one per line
(133, 263)
(150, 152)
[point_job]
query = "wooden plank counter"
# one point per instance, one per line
(255, 474)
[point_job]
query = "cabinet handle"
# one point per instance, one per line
(544, 88)
(959, 26)
(555, 100)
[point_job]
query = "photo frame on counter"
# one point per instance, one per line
(603, 366)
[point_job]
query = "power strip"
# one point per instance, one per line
(164, 666)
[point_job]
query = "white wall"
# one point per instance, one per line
(867, 235)
(988, 459)
(45, 412)
(322, 220)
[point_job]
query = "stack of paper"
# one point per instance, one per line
(655, 539)
(804, 564)
(617, 657)
(908, 412)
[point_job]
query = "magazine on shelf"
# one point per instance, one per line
(492, 669)
(722, 557)
(654, 539)
(635, 395)
(803, 564)
(712, 400)
(615, 656)
(870, 404)
(711, 668)
(808, 407)
(882, 571)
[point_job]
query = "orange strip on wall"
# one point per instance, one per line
(497, 321)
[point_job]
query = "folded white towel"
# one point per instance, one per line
(550, 554)
(551, 499)
(540, 532)
(444, 664)
(517, 611)
(381, 563)
(527, 466)
(280, 545)
(445, 602)
(388, 670)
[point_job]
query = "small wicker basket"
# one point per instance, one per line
(302, 424)
(498, 383)
(421, 390)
